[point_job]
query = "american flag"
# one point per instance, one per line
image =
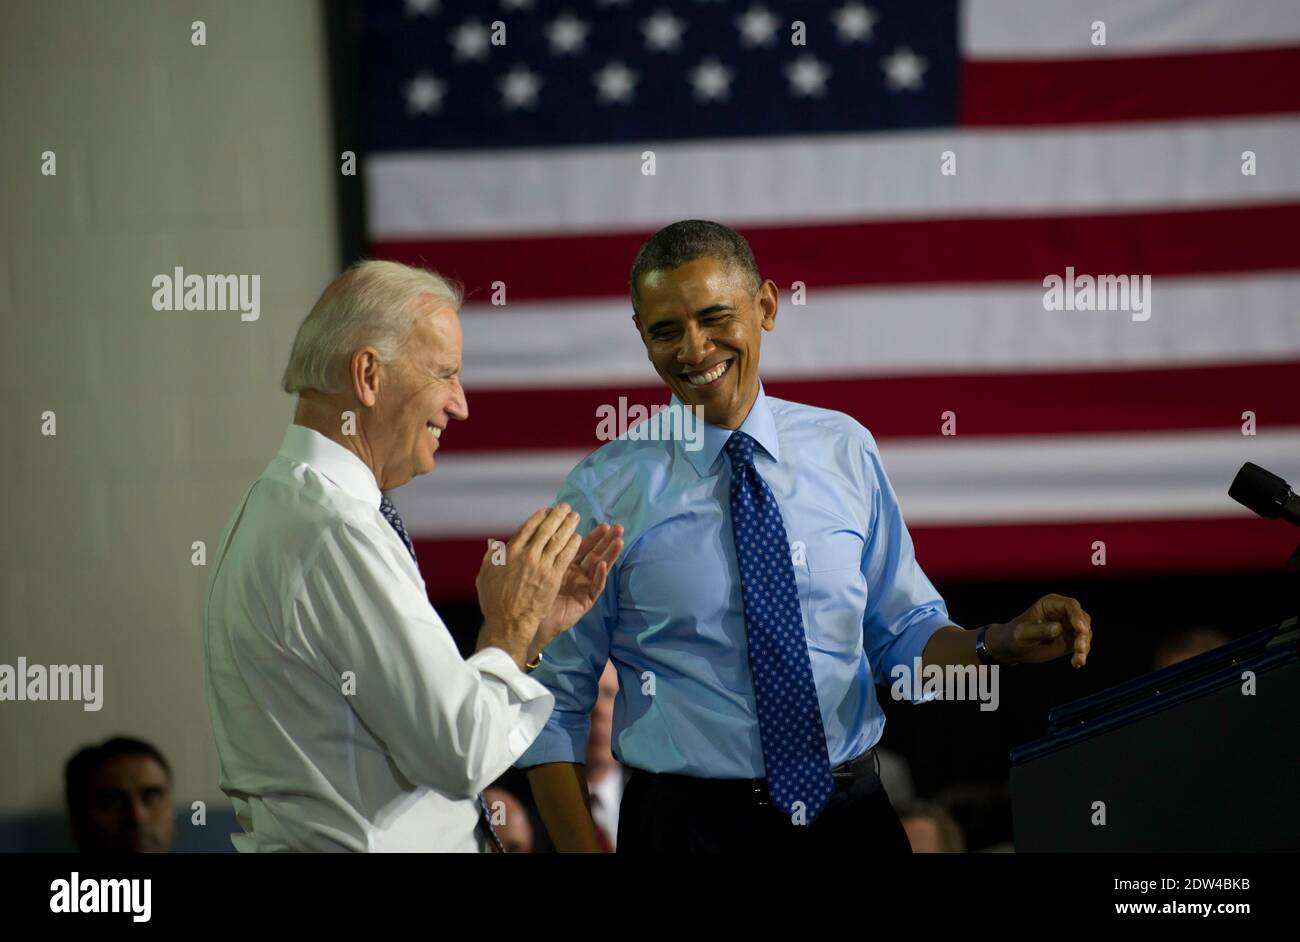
(510, 145)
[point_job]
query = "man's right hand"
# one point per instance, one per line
(516, 595)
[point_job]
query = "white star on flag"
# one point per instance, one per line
(471, 40)
(421, 7)
(663, 31)
(757, 27)
(807, 76)
(903, 70)
(853, 21)
(712, 80)
(566, 34)
(614, 83)
(424, 94)
(519, 88)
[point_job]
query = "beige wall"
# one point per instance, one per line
(218, 159)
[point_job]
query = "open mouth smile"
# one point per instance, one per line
(705, 379)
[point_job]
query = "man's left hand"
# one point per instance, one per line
(1052, 627)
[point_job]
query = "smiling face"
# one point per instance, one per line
(702, 326)
(419, 395)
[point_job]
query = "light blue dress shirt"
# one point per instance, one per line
(671, 617)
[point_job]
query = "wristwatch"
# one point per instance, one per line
(982, 650)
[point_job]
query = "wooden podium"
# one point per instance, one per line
(1182, 758)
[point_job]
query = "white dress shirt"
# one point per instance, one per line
(345, 718)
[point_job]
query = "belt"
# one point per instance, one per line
(842, 775)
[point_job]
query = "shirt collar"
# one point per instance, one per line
(758, 425)
(331, 459)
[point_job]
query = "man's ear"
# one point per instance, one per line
(768, 295)
(365, 376)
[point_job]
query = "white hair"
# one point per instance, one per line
(370, 304)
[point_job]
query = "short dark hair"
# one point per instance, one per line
(688, 240)
(88, 760)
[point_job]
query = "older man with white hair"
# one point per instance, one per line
(345, 718)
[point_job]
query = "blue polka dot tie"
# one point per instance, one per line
(789, 717)
(395, 521)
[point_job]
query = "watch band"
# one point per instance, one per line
(982, 650)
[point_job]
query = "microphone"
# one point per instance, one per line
(1265, 493)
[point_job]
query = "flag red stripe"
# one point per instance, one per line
(1133, 547)
(936, 251)
(1130, 88)
(1047, 403)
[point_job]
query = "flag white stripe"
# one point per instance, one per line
(1062, 29)
(1060, 171)
(951, 481)
(1086, 477)
(868, 332)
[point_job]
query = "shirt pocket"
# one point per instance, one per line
(837, 595)
(834, 551)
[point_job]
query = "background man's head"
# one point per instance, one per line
(510, 820)
(119, 796)
(383, 342)
(701, 308)
(1184, 643)
(930, 828)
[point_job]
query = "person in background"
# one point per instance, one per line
(1185, 643)
(930, 828)
(119, 796)
(895, 775)
(604, 773)
(512, 823)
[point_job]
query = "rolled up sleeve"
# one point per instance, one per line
(903, 609)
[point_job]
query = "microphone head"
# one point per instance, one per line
(1259, 490)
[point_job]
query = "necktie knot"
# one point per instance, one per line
(740, 449)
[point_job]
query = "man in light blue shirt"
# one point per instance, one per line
(768, 584)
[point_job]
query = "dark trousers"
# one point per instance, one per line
(681, 814)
